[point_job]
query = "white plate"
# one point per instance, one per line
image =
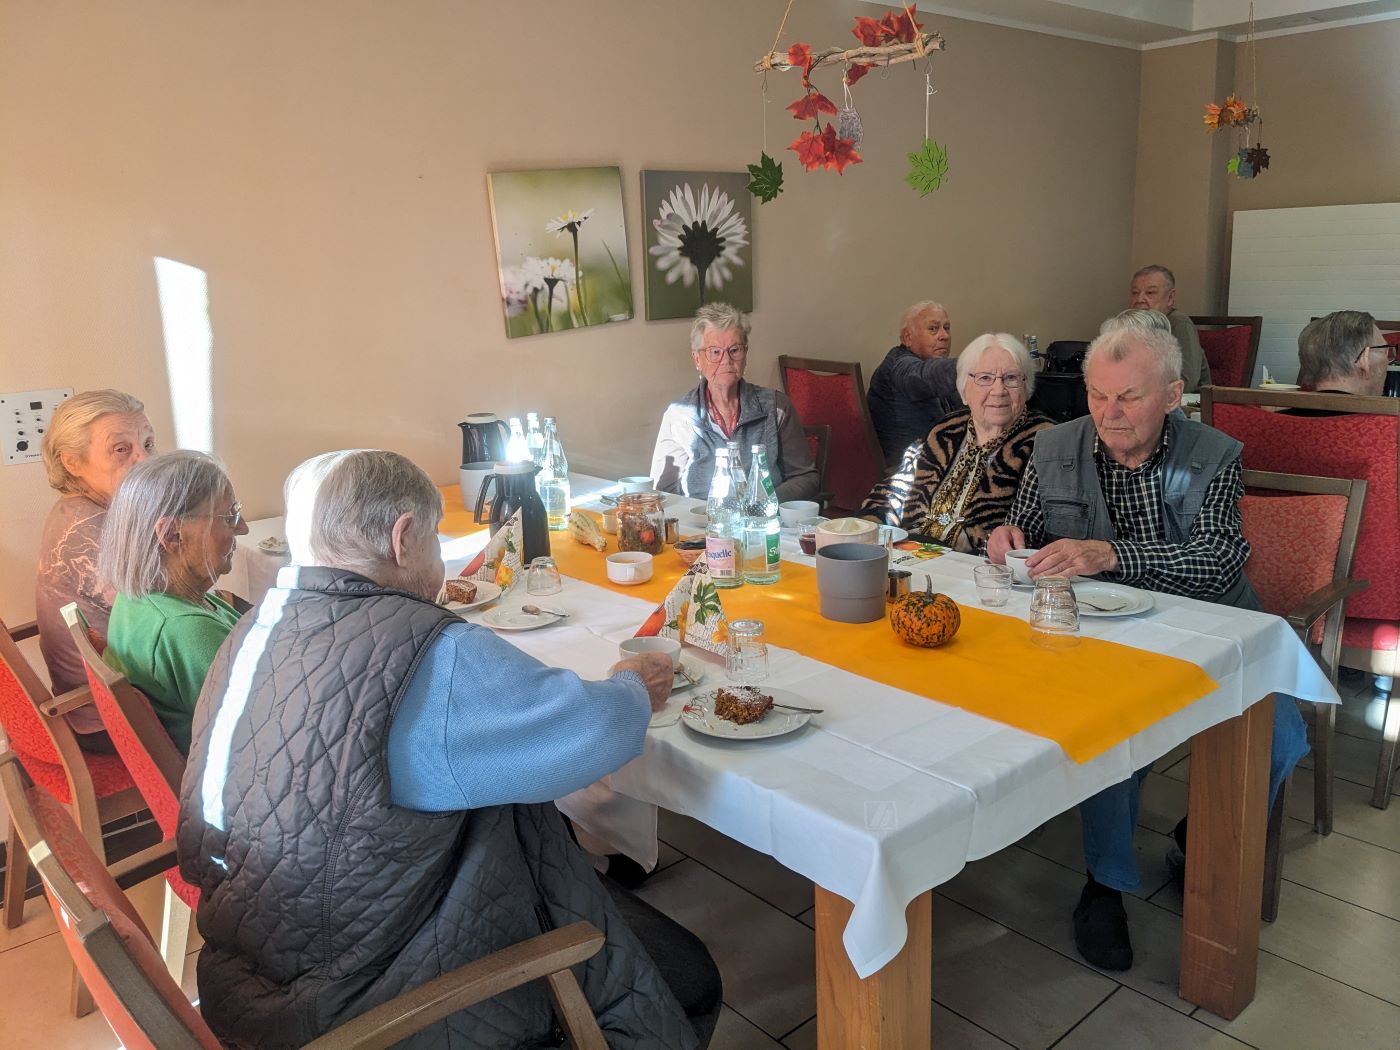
(897, 535)
(695, 669)
(1111, 594)
(485, 592)
(516, 620)
(696, 714)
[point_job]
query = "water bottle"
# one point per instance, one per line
(761, 524)
(722, 541)
(554, 478)
(738, 481)
(517, 450)
(534, 438)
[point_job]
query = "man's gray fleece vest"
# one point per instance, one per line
(1074, 505)
(319, 898)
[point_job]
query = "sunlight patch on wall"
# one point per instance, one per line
(189, 351)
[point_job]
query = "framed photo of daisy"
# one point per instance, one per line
(561, 248)
(699, 239)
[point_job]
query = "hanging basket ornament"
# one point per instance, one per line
(1250, 157)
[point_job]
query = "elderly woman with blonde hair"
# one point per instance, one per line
(956, 484)
(92, 440)
(170, 533)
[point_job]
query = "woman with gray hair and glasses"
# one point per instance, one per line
(170, 533)
(93, 439)
(725, 407)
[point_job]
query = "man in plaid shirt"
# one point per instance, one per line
(1136, 494)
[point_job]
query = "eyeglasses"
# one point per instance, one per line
(1389, 349)
(716, 354)
(232, 519)
(1010, 380)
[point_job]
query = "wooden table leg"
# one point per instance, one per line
(1225, 860)
(889, 1010)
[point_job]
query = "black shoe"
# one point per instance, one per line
(625, 871)
(1101, 928)
(1176, 855)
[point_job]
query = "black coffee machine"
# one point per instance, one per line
(484, 438)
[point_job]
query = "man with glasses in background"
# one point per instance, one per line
(724, 407)
(1342, 353)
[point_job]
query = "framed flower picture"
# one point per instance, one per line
(561, 248)
(699, 240)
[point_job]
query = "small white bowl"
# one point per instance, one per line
(793, 511)
(629, 567)
(666, 646)
(635, 483)
(1016, 561)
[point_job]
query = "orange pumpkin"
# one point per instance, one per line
(924, 618)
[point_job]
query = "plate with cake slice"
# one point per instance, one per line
(744, 712)
(465, 595)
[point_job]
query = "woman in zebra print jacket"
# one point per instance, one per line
(956, 485)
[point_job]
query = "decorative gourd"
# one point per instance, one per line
(924, 618)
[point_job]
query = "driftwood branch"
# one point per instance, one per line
(888, 55)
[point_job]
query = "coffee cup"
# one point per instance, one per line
(629, 567)
(1016, 561)
(665, 646)
(847, 530)
(470, 476)
(635, 483)
(793, 511)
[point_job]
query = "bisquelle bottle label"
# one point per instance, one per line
(721, 558)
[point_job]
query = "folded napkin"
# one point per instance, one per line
(691, 613)
(499, 560)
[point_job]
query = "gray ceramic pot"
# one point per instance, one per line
(851, 581)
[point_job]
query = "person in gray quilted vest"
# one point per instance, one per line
(368, 800)
(1138, 494)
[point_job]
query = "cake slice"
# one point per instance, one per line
(460, 590)
(741, 704)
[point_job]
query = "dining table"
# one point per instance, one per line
(892, 789)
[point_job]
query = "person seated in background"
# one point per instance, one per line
(916, 384)
(1136, 495)
(1342, 353)
(93, 439)
(956, 485)
(170, 533)
(725, 407)
(351, 717)
(1154, 288)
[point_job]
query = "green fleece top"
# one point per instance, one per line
(164, 645)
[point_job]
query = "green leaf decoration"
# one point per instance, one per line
(1233, 165)
(928, 167)
(765, 179)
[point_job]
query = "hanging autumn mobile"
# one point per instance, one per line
(894, 38)
(1250, 157)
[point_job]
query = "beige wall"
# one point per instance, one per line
(324, 162)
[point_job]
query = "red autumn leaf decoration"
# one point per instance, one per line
(900, 27)
(825, 150)
(867, 31)
(811, 105)
(855, 72)
(800, 55)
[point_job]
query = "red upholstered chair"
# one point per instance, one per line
(112, 949)
(832, 393)
(156, 765)
(1231, 345)
(1365, 445)
(819, 444)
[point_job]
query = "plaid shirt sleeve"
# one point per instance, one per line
(1207, 564)
(1026, 513)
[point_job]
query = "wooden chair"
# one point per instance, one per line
(145, 1006)
(832, 393)
(155, 764)
(1364, 444)
(819, 444)
(1231, 345)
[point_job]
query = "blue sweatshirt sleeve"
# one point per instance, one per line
(483, 724)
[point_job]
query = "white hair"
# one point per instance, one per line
(912, 314)
(341, 507)
(1142, 320)
(719, 317)
(973, 353)
(175, 485)
(68, 431)
(1117, 344)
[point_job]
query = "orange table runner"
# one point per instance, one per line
(1087, 698)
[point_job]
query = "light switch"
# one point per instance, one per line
(24, 417)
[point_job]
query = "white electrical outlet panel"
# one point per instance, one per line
(23, 419)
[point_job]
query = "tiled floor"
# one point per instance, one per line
(1005, 970)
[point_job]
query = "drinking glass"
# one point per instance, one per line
(1054, 613)
(748, 653)
(807, 535)
(993, 583)
(543, 577)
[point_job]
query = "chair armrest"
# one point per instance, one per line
(465, 986)
(67, 703)
(150, 862)
(21, 631)
(1315, 606)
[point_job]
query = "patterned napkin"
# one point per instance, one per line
(691, 613)
(499, 560)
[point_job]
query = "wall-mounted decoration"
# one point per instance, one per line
(699, 237)
(561, 248)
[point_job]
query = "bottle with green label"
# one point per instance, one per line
(761, 524)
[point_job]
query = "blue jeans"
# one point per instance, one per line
(1109, 817)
